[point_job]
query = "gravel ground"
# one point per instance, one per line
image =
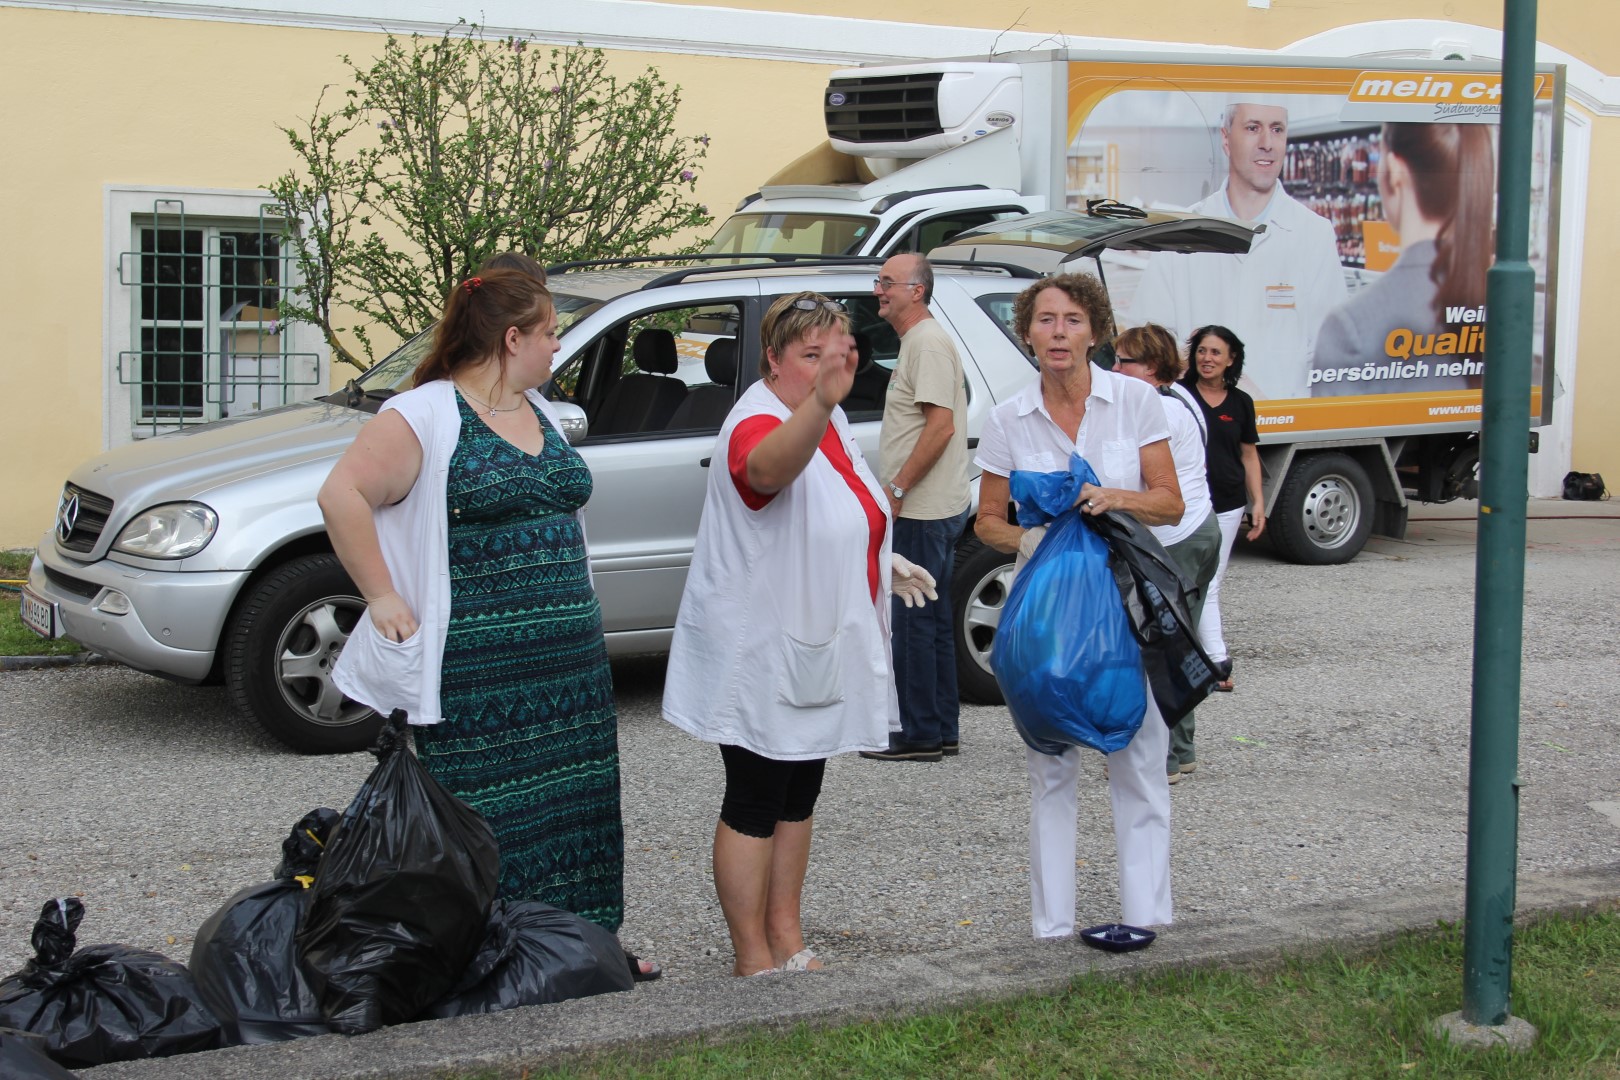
(1337, 769)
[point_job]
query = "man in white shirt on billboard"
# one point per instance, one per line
(1276, 296)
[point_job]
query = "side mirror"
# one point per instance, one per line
(571, 419)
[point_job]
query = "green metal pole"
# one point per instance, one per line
(1493, 793)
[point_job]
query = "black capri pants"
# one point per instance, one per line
(761, 791)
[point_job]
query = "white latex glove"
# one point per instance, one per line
(911, 583)
(1030, 541)
(1026, 547)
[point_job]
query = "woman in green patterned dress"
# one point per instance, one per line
(457, 513)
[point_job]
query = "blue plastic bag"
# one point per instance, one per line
(1068, 665)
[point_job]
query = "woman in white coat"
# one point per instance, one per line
(781, 647)
(1118, 426)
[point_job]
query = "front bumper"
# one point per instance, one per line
(174, 620)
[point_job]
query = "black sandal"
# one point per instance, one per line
(652, 973)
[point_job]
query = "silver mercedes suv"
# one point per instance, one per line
(201, 556)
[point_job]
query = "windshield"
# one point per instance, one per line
(791, 234)
(394, 371)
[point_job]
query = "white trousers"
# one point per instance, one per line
(1141, 800)
(1209, 623)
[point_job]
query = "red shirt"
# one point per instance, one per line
(751, 432)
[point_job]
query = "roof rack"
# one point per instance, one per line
(818, 261)
(728, 262)
(635, 260)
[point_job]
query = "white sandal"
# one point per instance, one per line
(800, 961)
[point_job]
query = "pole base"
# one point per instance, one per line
(1516, 1033)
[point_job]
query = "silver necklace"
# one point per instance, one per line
(490, 409)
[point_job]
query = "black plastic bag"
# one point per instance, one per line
(535, 954)
(244, 958)
(401, 897)
(1584, 486)
(1157, 598)
(301, 851)
(23, 1057)
(103, 1003)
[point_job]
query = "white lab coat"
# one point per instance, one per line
(779, 646)
(1274, 298)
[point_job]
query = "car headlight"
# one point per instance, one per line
(171, 531)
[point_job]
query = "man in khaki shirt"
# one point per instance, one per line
(923, 463)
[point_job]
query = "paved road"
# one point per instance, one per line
(1336, 771)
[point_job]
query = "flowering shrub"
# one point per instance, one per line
(445, 152)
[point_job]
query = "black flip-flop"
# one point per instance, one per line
(636, 971)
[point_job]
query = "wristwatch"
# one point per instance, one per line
(898, 492)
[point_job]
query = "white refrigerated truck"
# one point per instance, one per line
(919, 154)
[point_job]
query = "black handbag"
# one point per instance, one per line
(1158, 600)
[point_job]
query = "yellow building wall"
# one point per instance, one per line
(171, 103)
(99, 99)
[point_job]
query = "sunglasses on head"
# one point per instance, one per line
(806, 304)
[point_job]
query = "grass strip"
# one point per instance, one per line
(1328, 1015)
(15, 638)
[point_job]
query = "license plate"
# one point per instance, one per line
(38, 615)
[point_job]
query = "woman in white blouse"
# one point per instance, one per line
(1118, 426)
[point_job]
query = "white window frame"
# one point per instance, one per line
(124, 206)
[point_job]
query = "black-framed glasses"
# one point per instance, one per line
(1118, 359)
(885, 284)
(804, 303)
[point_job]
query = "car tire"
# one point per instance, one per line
(979, 587)
(1324, 511)
(282, 641)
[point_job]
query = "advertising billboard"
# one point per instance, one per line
(1362, 305)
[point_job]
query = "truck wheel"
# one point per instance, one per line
(281, 644)
(979, 588)
(1324, 511)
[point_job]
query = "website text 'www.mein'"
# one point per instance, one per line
(1454, 410)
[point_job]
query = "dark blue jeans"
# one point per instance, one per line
(924, 649)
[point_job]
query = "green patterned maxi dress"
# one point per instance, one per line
(530, 736)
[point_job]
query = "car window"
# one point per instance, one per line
(797, 234)
(931, 233)
(999, 306)
(670, 369)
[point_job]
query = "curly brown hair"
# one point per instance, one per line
(1087, 293)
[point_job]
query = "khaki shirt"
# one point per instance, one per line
(928, 373)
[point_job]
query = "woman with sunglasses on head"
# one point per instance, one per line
(457, 511)
(781, 648)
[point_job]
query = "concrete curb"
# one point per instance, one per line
(38, 663)
(657, 1015)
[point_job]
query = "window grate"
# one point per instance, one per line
(206, 341)
(886, 108)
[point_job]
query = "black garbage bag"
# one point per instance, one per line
(401, 897)
(1158, 600)
(535, 954)
(23, 1057)
(103, 1003)
(301, 851)
(244, 957)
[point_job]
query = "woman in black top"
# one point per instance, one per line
(1232, 460)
